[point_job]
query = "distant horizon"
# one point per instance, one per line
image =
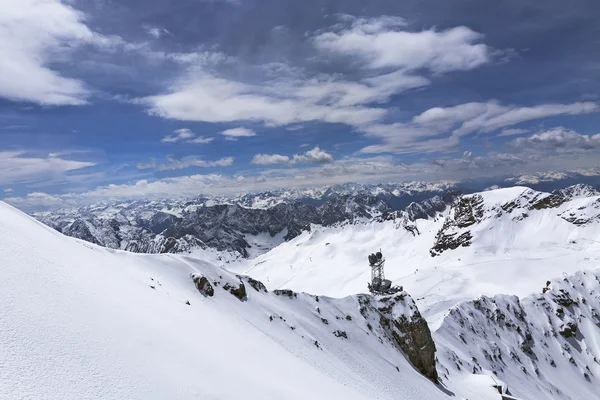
(540, 182)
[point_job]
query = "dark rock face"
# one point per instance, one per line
(203, 285)
(401, 323)
(256, 285)
(238, 291)
(285, 292)
(532, 200)
(410, 333)
(466, 211)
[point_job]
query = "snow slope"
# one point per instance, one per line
(516, 246)
(545, 346)
(78, 321)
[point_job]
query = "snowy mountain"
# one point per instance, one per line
(545, 346)
(84, 322)
(464, 267)
(501, 300)
(579, 190)
(234, 225)
(483, 244)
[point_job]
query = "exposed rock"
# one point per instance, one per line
(237, 291)
(256, 285)
(403, 325)
(175, 226)
(577, 191)
(341, 334)
(466, 211)
(285, 292)
(569, 330)
(203, 285)
(533, 336)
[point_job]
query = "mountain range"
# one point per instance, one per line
(500, 297)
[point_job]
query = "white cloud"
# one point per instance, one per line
(156, 32)
(380, 43)
(269, 159)
(440, 129)
(295, 96)
(33, 34)
(238, 132)
(316, 155)
(207, 98)
(18, 167)
(8, 190)
(200, 140)
(512, 132)
(496, 116)
(174, 164)
(40, 201)
(185, 135)
(559, 139)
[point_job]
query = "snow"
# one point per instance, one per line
(78, 321)
(522, 342)
(509, 254)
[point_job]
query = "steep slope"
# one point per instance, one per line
(499, 241)
(545, 346)
(78, 321)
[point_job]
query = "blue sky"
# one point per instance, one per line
(121, 99)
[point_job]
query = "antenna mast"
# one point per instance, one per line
(379, 285)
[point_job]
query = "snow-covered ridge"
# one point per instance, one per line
(483, 244)
(546, 346)
(162, 226)
(79, 321)
(506, 213)
(129, 313)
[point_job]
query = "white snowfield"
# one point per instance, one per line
(78, 321)
(511, 253)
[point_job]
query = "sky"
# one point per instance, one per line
(120, 99)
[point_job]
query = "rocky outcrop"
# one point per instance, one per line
(582, 216)
(393, 320)
(402, 324)
(466, 211)
(529, 340)
(203, 285)
(577, 191)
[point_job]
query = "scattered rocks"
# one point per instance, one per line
(341, 334)
(285, 292)
(569, 330)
